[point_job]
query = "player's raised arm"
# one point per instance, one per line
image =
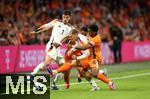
(45, 27)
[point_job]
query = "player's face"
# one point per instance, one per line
(74, 37)
(65, 18)
(91, 34)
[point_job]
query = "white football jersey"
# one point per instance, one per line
(81, 41)
(59, 32)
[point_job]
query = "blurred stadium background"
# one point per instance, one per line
(124, 26)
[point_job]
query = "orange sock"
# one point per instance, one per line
(66, 79)
(64, 68)
(67, 82)
(103, 78)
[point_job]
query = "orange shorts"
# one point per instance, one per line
(85, 62)
(95, 63)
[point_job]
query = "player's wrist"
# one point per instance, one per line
(33, 32)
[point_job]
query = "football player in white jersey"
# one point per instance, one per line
(60, 30)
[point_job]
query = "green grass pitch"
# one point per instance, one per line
(132, 81)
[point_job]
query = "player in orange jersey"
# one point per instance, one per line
(82, 55)
(95, 62)
(94, 45)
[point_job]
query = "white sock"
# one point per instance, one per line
(110, 83)
(101, 71)
(57, 77)
(37, 68)
(93, 83)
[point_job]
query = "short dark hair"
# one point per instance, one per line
(93, 27)
(84, 28)
(67, 12)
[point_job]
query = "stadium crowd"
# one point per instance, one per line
(118, 20)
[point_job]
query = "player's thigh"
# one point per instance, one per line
(50, 56)
(47, 60)
(60, 60)
(88, 73)
(94, 63)
(94, 66)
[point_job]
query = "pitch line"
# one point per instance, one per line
(115, 78)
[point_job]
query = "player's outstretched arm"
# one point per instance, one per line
(45, 27)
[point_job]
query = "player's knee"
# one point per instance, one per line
(47, 60)
(81, 73)
(88, 74)
(94, 74)
(41, 65)
(60, 64)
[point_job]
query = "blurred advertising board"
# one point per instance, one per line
(25, 58)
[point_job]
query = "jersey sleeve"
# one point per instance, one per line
(83, 38)
(95, 41)
(50, 24)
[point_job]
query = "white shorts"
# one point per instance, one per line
(55, 54)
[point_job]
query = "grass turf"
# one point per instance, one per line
(128, 88)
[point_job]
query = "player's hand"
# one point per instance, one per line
(74, 57)
(73, 62)
(69, 52)
(33, 32)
